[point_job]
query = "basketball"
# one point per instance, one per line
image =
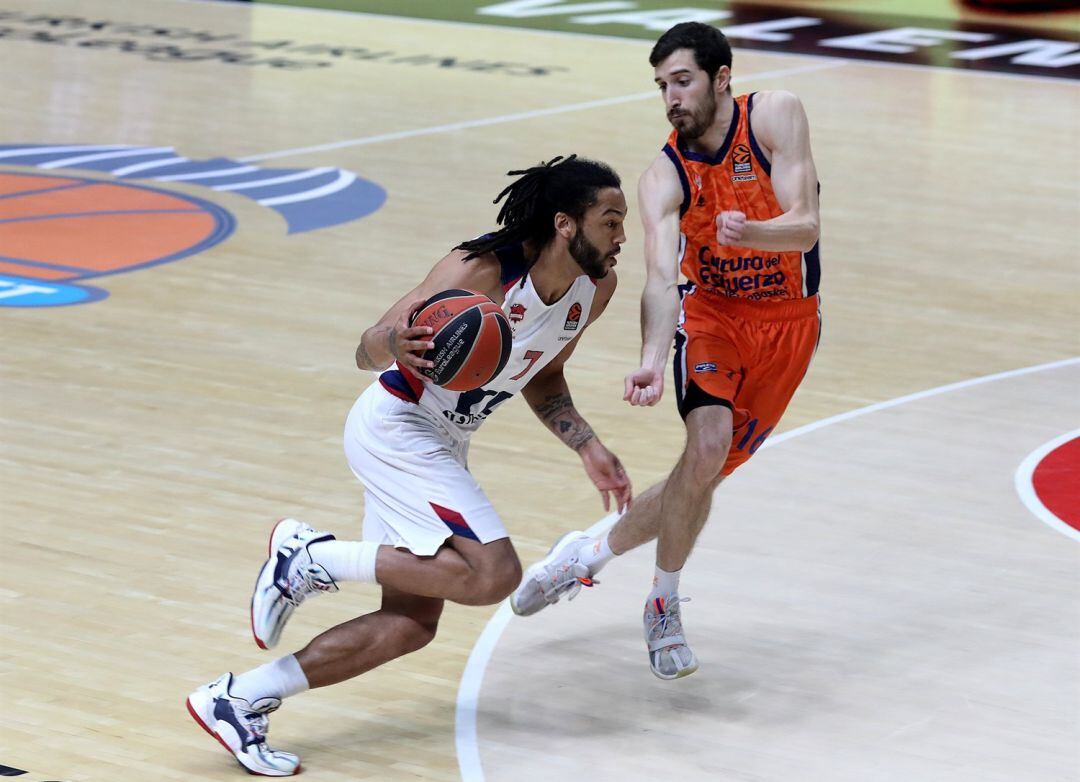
(472, 339)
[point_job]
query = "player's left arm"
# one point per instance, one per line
(549, 397)
(781, 127)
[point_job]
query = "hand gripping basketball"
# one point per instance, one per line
(471, 338)
(407, 343)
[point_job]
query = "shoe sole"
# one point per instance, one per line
(556, 549)
(199, 721)
(278, 536)
(679, 675)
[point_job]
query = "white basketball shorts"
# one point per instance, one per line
(418, 489)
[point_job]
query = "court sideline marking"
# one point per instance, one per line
(524, 115)
(468, 749)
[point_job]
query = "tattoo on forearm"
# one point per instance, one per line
(551, 406)
(363, 359)
(557, 411)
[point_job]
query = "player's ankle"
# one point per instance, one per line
(665, 582)
(347, 560)
(596, 553)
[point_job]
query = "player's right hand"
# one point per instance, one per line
(408, 343)
(644, 387)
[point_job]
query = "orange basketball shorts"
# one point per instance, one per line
(748, 356)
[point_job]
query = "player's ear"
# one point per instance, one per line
(565, 225)
(722, 82)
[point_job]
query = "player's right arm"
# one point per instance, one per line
(660, 195)
(393, 339)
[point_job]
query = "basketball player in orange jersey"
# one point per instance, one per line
(732, 202)
(430, 534)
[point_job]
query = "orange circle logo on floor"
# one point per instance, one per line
(59, 232)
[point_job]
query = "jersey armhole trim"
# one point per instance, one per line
(674, 157)
(761, 159)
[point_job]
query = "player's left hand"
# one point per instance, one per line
(729, 228)
(607, 474)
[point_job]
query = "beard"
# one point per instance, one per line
(695, 123)
(587, 255)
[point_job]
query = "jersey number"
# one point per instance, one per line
(757, 441)
(532, 356)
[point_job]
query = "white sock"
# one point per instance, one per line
(279, 679)
(596, 553)
(665, 583)
(347, 560)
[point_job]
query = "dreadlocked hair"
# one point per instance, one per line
(569, 185)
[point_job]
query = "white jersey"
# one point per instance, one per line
(540, 332)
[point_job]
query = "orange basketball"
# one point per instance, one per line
(472, 339)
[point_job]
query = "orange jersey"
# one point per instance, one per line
(737, 177)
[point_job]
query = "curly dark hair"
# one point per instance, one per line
(569, 185)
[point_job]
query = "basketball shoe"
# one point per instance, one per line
(559, 573)
(241, 727)
(669, 656)
(286, 580)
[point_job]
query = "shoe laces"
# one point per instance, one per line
(667, 622)
(258, 725)
(566, 579)
(303, 583)
(257, 722)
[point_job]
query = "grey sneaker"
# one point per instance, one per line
(241, 727)
(559, 573)
(669, 656)
(286, 580)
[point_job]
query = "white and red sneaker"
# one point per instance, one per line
(286, 580)
(241, 727)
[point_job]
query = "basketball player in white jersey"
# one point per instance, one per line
(429, 532)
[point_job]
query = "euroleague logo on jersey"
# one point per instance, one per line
(741, 164)
(573, 317)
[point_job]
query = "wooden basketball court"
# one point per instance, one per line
(872, 599)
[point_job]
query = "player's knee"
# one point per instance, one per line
(705, 458)
(497, 580)
(421, 632)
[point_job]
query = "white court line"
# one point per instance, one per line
(169, 161)
(32, 150)
(345, 178)
(1026, 489)
(70, 162)
(468, 749)
(523, 115)
(218, 172)
(277, 180)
